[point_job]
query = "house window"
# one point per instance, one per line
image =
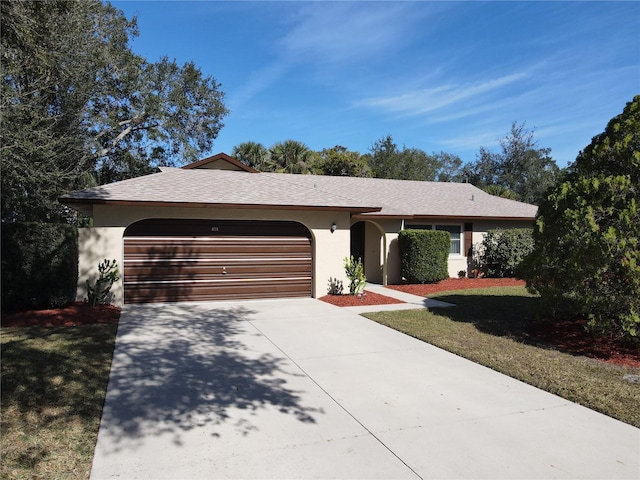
(455, 233)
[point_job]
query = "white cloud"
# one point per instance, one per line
(431, 99)
(329, 32)
(259, 80)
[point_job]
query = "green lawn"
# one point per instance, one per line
(489, 326)
(54, 381)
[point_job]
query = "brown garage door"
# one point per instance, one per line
(195, 260)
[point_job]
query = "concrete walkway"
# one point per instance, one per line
(411, 302)
(302, 389)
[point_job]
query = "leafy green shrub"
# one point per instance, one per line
(587, 233)
(39, 265)
(100, 292)
(355, 273)
(424, 255)
(504, 250)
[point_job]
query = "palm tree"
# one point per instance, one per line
(501, 191)
(291, 156)
(254, 155)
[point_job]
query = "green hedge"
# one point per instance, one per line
(39, 265)
(504, 250)
(424, 255)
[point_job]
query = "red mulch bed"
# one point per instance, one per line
(368, 298)
(569, 335)
(458, 284)
(71, 316)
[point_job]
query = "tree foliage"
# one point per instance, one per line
(254, 155)
(521, 166)
(338, 161)
(587, 233)
(386, 160)
(291, 156)
(39, 265)
(502, 252)
(84, 109)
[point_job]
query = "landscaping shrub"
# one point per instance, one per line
(424, 255)
(504, 250)
(39, 265)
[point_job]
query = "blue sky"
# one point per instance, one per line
(439, 76)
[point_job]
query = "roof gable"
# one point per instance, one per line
(220, 161)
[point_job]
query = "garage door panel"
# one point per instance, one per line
(213, 247)
(255, 260)
(216, 290)
(141, 273)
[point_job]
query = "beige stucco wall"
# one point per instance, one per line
(105, 239)
(95, 245)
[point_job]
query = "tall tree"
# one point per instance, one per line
(587, 233)
(521, 166)
(338, 161)
(388, 161)
(291, 156)
(254, 155)
(84, 109)
(449, 167)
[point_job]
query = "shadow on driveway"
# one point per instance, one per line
(179, 367)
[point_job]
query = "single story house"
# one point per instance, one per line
(217, 229)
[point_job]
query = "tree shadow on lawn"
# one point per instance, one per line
(37, 377)
(500, 315)
(518, 317)
(178, 367)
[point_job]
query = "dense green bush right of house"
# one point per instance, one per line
(503, 251)
(424, 255)
(587, 233)
(39, 265)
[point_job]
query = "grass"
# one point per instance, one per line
(489, 327)
(54, 381)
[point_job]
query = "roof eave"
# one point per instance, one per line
(374, 215)
(85, 204)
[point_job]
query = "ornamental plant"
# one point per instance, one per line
(503, 251)
(100, 292)
(355, 273)
(424, 255)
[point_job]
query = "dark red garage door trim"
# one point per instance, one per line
(174, 260)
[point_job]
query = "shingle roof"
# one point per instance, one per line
(415, 198)
(215, 187)
(365, 196)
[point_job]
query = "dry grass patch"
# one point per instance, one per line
(54, 382)
(490, 327)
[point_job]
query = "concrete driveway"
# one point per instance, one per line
(302, 389)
